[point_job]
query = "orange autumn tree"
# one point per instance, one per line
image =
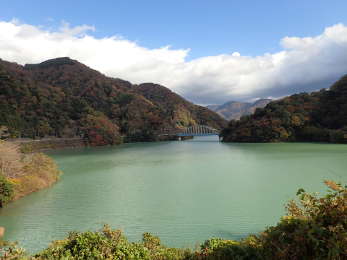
(99, 130)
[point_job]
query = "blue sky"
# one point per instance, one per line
(218, 50)
(251, 27)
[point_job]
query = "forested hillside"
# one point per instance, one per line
(180, 111)
(64, 98)
(318, 117)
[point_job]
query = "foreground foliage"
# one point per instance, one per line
(6, 190)
(315, 117)
(315, 228)
(110, 244)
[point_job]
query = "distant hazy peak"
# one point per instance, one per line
(234, 109)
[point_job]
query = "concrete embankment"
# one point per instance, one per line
(33, 145)
(44, 144)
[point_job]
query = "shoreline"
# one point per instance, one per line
(26, 184)
(28, 145)
(24, 170)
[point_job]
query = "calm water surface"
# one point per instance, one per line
(185, 192)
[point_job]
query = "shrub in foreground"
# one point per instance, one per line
(6, 190)
(9, 251)
(109, 244)
(315, 228)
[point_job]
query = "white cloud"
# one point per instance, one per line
(304, 64)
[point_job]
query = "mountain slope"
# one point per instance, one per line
(64, 98)
(181, 111)
(235, 110)
(318, 116)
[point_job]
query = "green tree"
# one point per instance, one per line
(6, 190)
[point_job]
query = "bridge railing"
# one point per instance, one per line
(198, 130)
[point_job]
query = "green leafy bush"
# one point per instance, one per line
(6, 190)
(10, 251)
(109, 244)
(217, 248)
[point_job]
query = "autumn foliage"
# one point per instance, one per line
(99, 130)
(64, 98)
(21, 174)
(315, 117)
(315, 228)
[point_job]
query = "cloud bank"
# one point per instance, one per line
(304, 64)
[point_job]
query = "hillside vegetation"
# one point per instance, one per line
(64, 98)
(21, 174)
(314, 228)
(315, 117)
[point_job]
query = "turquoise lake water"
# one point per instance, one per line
(185, 192)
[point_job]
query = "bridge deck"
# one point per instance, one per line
(197, 134)
(197, 130)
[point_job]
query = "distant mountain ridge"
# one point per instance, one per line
(234, 110)
(64, 98)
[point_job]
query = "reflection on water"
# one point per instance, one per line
(185, 192)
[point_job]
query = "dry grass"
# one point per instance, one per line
(11, 163)
(40, 172)
(27, 172)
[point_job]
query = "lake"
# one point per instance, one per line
(183, 191)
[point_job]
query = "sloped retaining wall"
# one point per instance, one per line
(30, 145)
